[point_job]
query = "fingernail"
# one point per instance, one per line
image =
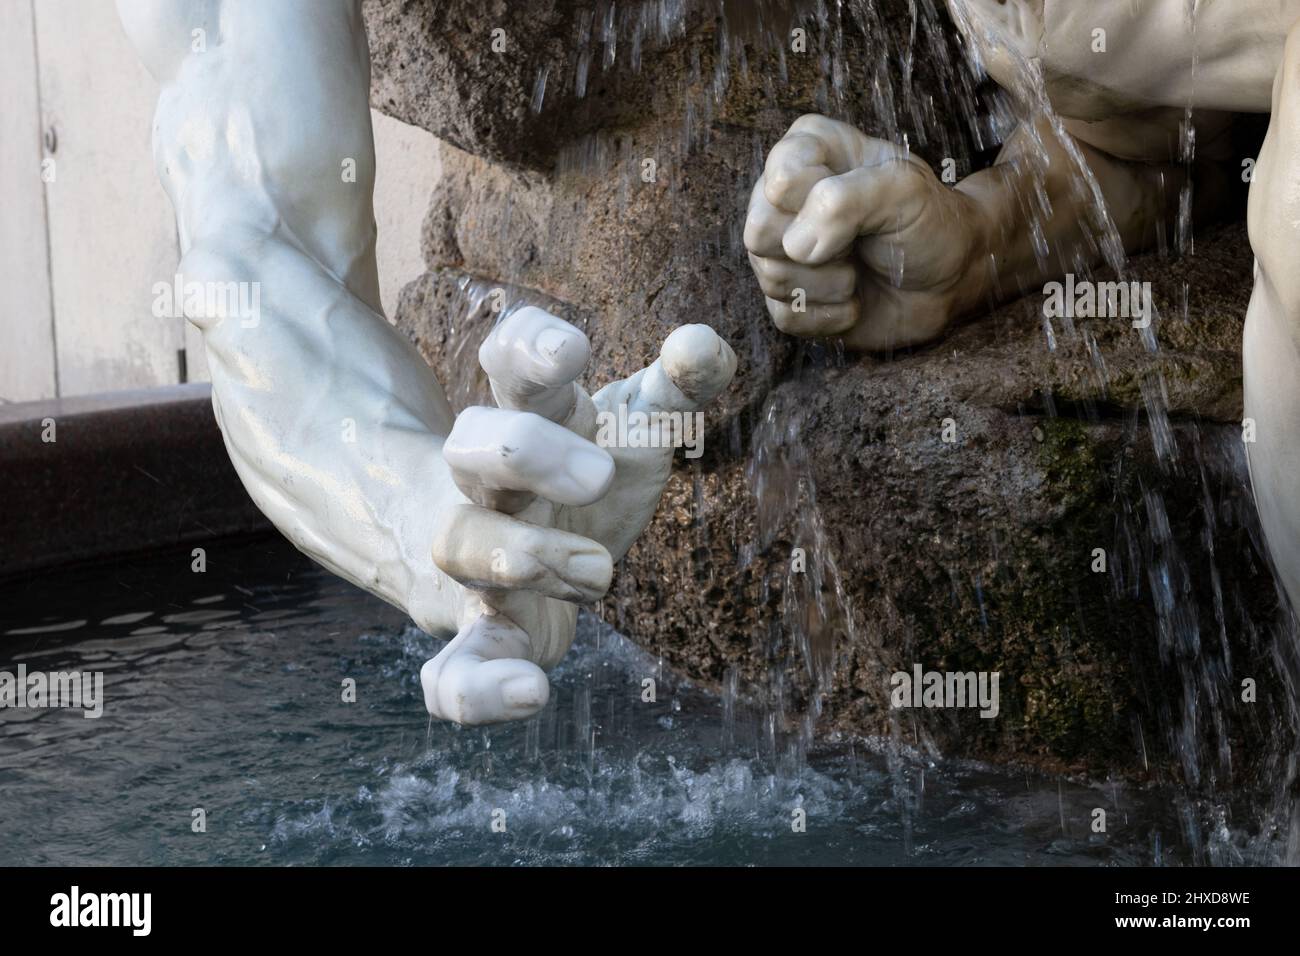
(552, 342)
(525, 690)
(589, 571)
(698, 361)
(591, 469)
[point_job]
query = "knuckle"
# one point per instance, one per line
(516, 565)
(443, 536)
(467, 429)
(782, 316)
(767, 269)
(512, 326)
(451, 448)
(814, 124)
(831, 196)
(780, 182)
(756, 233)
(506, 335)
(527, 541)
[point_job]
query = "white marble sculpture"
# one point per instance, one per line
(491, 525)
(872, 247)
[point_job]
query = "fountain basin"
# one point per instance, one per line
(224, 693)
(96, 477)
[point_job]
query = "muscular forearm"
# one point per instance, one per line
(331, 418)
(1048, 205)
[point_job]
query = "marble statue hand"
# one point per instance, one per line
(491, 525)
(851, 236)
(545, 510)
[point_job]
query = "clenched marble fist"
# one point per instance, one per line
(854, 237)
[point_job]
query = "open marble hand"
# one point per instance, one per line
(490, 525)
(544, 512)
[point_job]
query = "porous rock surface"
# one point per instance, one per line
(949, 504)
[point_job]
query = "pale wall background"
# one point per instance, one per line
(79, 255)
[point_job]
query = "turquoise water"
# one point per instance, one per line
(224, 691)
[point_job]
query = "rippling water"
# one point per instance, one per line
(224, 691)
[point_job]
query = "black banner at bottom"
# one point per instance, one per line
(334, 905)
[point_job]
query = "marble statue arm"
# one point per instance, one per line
(490, 525)
(854, 237)
(1271, 345)
(811, 221)
(330, 418)
(1106, 57)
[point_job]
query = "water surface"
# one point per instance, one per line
(224, 691)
